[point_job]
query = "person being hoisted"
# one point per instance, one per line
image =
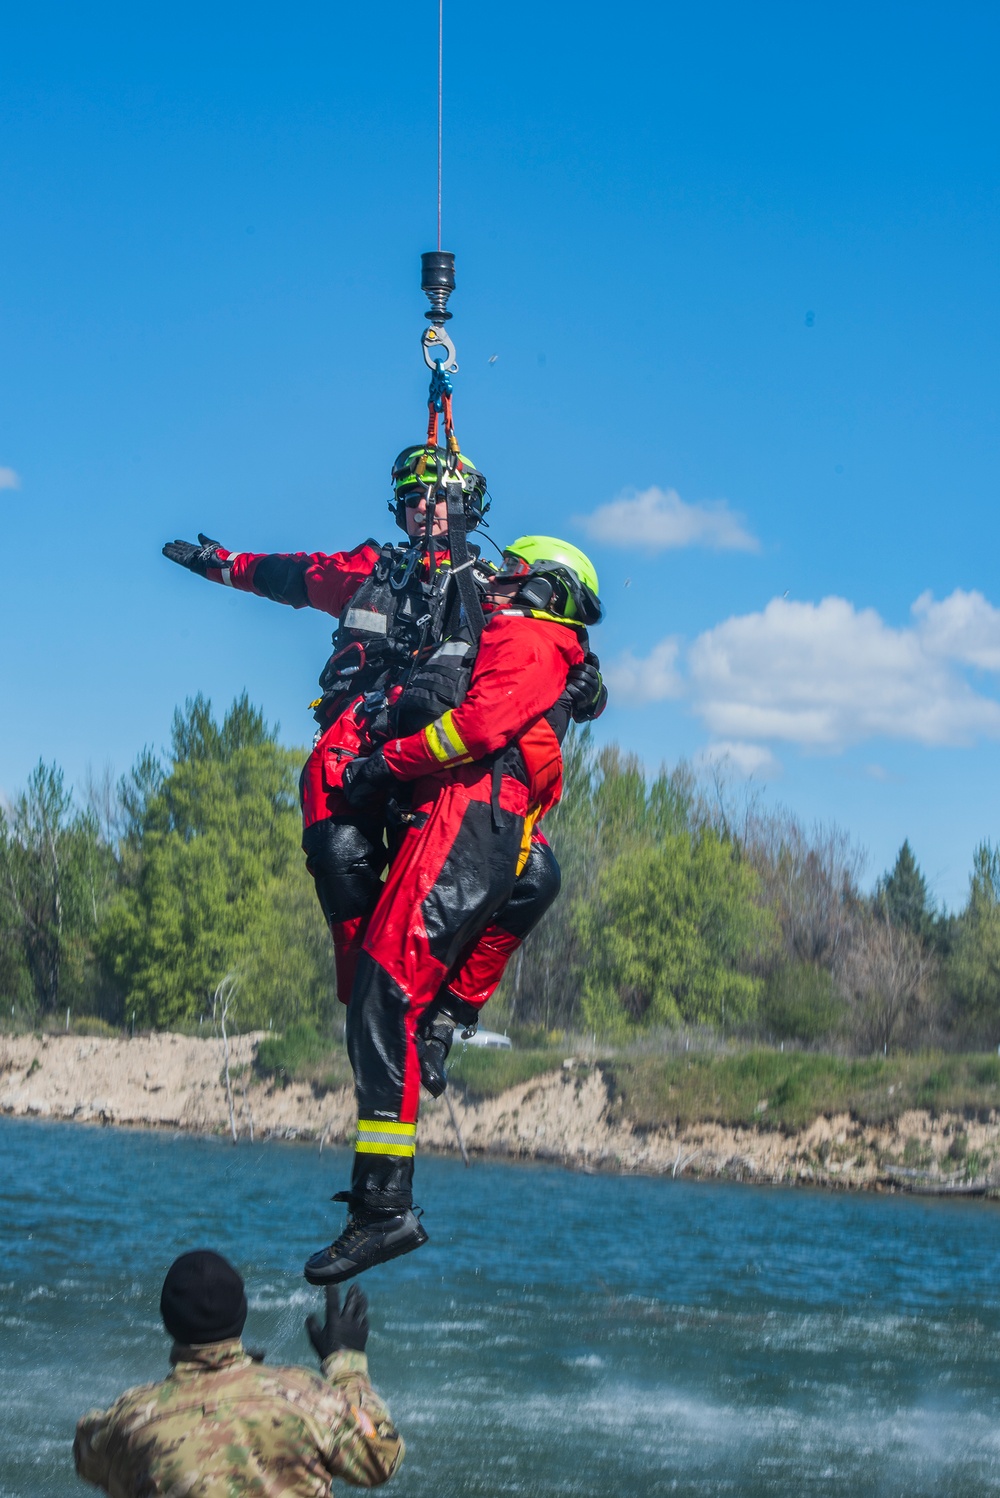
(481, 775)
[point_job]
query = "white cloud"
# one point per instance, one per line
(635, 682)
(827, 675)
(962, 627)
(659, 520)
(9, 479)
(749, 760)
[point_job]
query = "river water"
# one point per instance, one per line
(561, 1334)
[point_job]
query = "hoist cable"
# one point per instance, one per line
(440, 105)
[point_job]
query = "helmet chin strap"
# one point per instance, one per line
(430, 506)
(461, 559)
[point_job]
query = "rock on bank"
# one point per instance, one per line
(177, 1082)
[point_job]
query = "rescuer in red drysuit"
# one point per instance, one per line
(480, 776)
(346, 848)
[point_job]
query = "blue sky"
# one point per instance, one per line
(737, 266)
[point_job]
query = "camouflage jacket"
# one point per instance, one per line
(224, 1426)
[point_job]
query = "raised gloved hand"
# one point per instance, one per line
(347, 1328)
(367, 780)
(586, 690)
(195, 558)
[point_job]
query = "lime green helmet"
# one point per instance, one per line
(559, 578)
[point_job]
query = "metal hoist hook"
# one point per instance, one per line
(439, 351)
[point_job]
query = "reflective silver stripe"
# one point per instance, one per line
(452, 647)
(365, 1136)
(227, 576)
(366, 619)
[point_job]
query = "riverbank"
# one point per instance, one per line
(572, 1115)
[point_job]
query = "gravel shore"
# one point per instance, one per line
(176, 1082)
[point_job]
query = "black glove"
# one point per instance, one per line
(195, 558)
(585, 689)
(347, 1328)
(367, 780)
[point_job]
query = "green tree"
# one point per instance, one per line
(607, 806)
(973, 972)
(902, 895)
(56, 877)
(214, 841)
(676, 933)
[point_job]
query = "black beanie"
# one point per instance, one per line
(202, 1299)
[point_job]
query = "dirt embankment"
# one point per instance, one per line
(176, 1082)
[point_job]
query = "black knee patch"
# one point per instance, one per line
(345, 857)
(475, 880)
(536, 888)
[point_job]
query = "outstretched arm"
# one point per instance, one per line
(362, 1447)
(318, 579)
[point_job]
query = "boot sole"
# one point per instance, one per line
(337, 1277)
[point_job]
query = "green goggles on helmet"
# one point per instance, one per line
(418, 468)
(548, 583)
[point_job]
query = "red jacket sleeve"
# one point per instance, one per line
(520, 671)
(318, 580)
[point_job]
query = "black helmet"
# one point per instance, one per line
(416, 467)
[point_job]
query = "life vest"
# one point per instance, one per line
(401, 630)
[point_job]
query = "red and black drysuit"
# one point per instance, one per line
(346, 849)
(481, 775)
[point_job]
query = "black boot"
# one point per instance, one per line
(369, 1238)
(447, 1014)
(433, 1046)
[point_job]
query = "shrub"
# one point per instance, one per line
(284, 1056)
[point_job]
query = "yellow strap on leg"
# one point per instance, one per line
(529, 827)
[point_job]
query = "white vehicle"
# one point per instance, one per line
(490, 1038)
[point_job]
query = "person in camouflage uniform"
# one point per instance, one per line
(223, 1425)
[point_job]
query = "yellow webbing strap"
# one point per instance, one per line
(529, 827)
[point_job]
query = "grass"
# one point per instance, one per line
(653, 1084)
(300, 1054)
(483, 1073)
(790, 1090)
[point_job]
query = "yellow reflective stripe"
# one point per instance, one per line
(447, 727)
(436, 745)
(541, 614)
(384, 1147)
(445, 741)
(385, 1136)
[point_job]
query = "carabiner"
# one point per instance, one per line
(439, 351)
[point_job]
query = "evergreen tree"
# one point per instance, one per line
(902, 895)
(974, 968)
